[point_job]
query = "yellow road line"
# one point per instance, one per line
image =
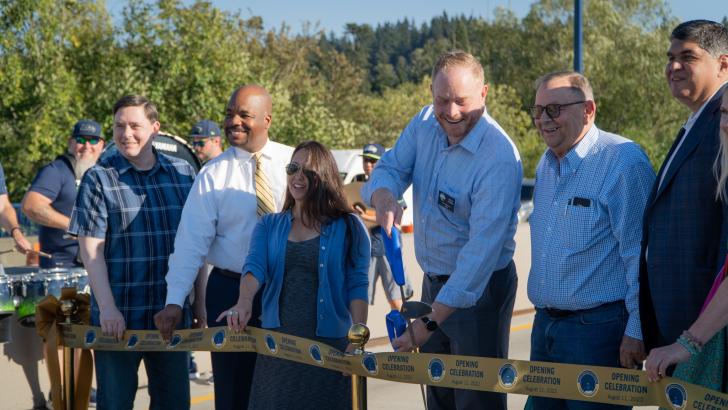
(200, 399)
(521, 327)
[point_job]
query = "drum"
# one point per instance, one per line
(168, 144)
(56, 279)
(33, 291)
(79, 279)
(6, 296)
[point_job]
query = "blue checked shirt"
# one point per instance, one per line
(137, 213)
(586, 226)
(466, 199)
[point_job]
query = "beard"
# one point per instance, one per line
(82, 165)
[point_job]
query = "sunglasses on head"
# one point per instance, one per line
(294, 167)
(90, 140)
(552, 110)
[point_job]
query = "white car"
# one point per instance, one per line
(351, 170)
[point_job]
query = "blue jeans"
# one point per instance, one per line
(116, 379)
(590, 336)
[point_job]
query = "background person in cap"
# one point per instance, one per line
(379, 266)
(206, 140)
(49, 201)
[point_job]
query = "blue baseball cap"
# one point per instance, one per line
(87, 128)
(373, 151)
(205, 129)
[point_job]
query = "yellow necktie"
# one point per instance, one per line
(263, 193)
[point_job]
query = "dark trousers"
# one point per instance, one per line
(481, 330)
(233, 371)
(591, 336)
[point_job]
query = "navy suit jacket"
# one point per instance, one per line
(684, 228)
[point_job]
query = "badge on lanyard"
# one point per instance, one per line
(446, 201)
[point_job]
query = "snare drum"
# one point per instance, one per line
(7, 307)
(34, 290)
(55, 280)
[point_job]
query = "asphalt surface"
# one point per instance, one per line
(25, 348)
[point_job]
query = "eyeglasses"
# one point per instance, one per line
(294, 167)
(552, 110)
(90, 140)
(199, 143)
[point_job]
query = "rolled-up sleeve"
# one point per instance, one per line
(89, 216)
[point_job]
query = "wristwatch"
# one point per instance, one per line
(430, 324)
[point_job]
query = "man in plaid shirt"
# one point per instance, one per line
(126, 216)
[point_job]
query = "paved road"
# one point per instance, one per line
(381, 394)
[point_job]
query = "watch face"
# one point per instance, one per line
(430, 325)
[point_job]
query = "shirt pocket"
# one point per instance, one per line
(581, 225)
(454, 206)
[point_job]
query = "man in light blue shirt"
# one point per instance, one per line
(591, 190)
(466, 177)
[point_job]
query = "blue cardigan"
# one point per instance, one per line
(339, 282)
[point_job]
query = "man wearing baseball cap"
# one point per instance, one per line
(379, 266)
(49, 201)
(206, 140)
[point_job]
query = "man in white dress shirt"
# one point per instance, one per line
(216, 226)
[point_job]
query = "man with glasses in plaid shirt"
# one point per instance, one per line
(50, 199)
(126, 217)
(591, 190)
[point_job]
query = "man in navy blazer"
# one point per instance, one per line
(684, 229)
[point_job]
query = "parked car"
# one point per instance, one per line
(526, 199)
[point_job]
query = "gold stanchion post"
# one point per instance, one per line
(358, 336)
(68, 308)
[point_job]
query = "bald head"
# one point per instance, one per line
(257, 92)
(248, 117)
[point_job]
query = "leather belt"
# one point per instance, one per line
(559, 313)
(226, 273)
(438, 278)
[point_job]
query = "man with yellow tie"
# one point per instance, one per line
(230, 193)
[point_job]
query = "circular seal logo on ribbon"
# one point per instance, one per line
(90, 338)
(588, 383)
(315, 352)
(133, 341)
(676, 395)
(219, 339)
(270, 343)
(174, 341)
(507, 376)
(369, 362)
(436, 369)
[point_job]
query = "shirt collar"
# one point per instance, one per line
(694, 116)
(123, 164)
(570, 162)
(474, 138)
(243, 155)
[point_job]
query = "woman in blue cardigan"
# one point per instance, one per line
(313, 258)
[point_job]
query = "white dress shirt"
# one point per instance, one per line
(220, 213)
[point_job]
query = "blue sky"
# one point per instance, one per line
(333, 15)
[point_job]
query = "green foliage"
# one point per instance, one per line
(65, 60)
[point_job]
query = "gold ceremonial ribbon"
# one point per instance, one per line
(48, 318)
(564, 381)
